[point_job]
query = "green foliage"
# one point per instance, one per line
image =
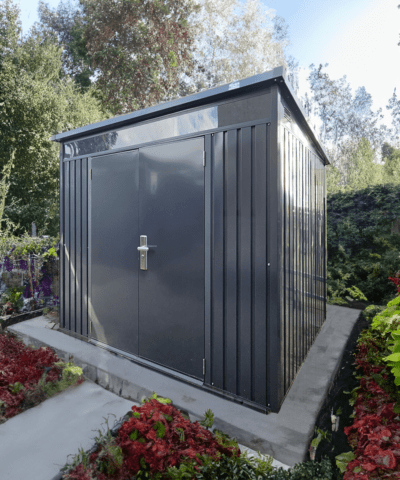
(343, 460)
(36, 101)
(371, 311)
(362, 251)
(356, 293)
(394, 359)
(306, 470)
(14, 297)
(321, 435)
(395, 301)
(159, 399)
(128, 45)
(386, 324)
(386, 321)
(110, 459)
(337, 301)
(208, 419)
(392, 164)
(362, 171)
(51, 252)
(70, 374)
(235, 468)
(16, 387)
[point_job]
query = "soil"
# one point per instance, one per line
(344, 381)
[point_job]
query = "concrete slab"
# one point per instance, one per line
(285, 435)
(36, 443)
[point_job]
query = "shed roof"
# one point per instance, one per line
(262, 80)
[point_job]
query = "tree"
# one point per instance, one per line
(394, 107)
(141, 53)
(65, 25)
(36, 101)
(136, 50)
(362, 171)
(391, 157)
(234, 41)
(354, 167)
(343, 115)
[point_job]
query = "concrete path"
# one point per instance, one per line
(285, 435)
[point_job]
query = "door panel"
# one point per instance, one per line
(114, 257)
(171, 290)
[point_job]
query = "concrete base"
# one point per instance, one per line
(285, 435)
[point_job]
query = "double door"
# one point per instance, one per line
(149, 303)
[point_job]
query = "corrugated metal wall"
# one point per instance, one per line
(237, 335)
(304, 253)
(74, 256)
(239, 257)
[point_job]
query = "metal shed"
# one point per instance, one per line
(224, 193)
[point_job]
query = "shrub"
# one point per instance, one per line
(362, 251)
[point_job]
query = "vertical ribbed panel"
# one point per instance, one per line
(231, 266)
(304, 250)
(66, 248)
(244, 259)
(239, 259)
(72, 240)
(78, 247)
(62, 253)
(74, 257)
(84, 247)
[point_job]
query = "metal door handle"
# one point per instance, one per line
(143, 249)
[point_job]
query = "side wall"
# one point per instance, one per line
(303, 247)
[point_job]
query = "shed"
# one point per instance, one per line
(193, 237)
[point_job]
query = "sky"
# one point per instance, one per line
(357, 38)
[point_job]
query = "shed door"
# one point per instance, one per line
(156, 313)
(171, 290)
(113, 256)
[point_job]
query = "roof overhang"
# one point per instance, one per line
(247, 85)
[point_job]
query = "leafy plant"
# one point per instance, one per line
(16, 387)
(371, 311)
(13, 296)
(163, 400)
(343, 460)
(321, 435)
(356, 293)
(178, 447)
(394, 359)
(208, 419)
(374, 435)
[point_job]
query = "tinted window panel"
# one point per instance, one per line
(192, 122)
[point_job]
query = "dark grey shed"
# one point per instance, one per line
(227, 187)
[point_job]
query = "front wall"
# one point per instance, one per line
(74, 287)
(236, 329)
(238, 263)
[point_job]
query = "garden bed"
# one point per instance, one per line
(28, 376)
(9, 320)
(157, 441)
(366, 398)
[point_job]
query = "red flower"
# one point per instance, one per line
(162, 437)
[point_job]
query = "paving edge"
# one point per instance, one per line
(91, 373)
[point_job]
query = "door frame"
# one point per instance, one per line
(208, 148)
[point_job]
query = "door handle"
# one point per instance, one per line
(143, 249)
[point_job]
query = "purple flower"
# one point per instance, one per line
(23, 265)
(8, 264)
